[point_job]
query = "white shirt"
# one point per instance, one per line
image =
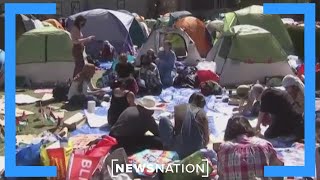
(73, 90)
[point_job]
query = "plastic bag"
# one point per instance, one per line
(103, 147)
(29, 156)
(84, 166)
(58, 157)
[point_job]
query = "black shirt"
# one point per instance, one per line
(134, 121)
(280, 104)
(124, 70)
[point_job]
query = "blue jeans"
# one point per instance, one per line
(173, 142)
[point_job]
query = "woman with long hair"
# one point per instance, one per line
(120, 101)
(78, 43)
(82, 89)
(243, 155)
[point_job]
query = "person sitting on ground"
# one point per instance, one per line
(150, 76)
(166, 64)
(277, 110)
(108, 52)
(151, 55)
(133, 124)
(125, 71)
(295, 88)
(249, 104)
(243, 156)
(82, 89)
(191, 130)
(120, 101)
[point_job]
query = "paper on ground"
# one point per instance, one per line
(40, 91)
(74, 119)
(25, 139)
(1, 164)
(25, 99)
(19, 112)
(47, 97)
(97, 119)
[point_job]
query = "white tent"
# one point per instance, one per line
(246, 54)
(156, 39)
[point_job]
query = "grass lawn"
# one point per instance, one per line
(35, 125)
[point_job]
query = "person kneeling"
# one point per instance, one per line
(134, 123)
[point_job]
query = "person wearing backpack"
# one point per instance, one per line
(190, 132)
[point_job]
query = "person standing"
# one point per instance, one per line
(78, 43)
(166, 64)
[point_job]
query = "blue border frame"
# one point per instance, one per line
(11, 9)
(308, 10)
(11, 169)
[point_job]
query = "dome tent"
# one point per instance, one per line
(55, 23)
(198, 32)
(246, 54)
(253, 15)
(43, 52)
(108, 25)
(136, 31)
(157, 37)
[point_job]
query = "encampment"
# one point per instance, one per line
(198, 32)
(246, 54)
(253, 15)
(157, 37)
(108, 25)
(44, 55)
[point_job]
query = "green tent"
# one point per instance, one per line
(47, 44)
(253, 15)
(251, 43)
(246, 54)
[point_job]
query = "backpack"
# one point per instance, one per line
(210, 88)
(60, 92)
